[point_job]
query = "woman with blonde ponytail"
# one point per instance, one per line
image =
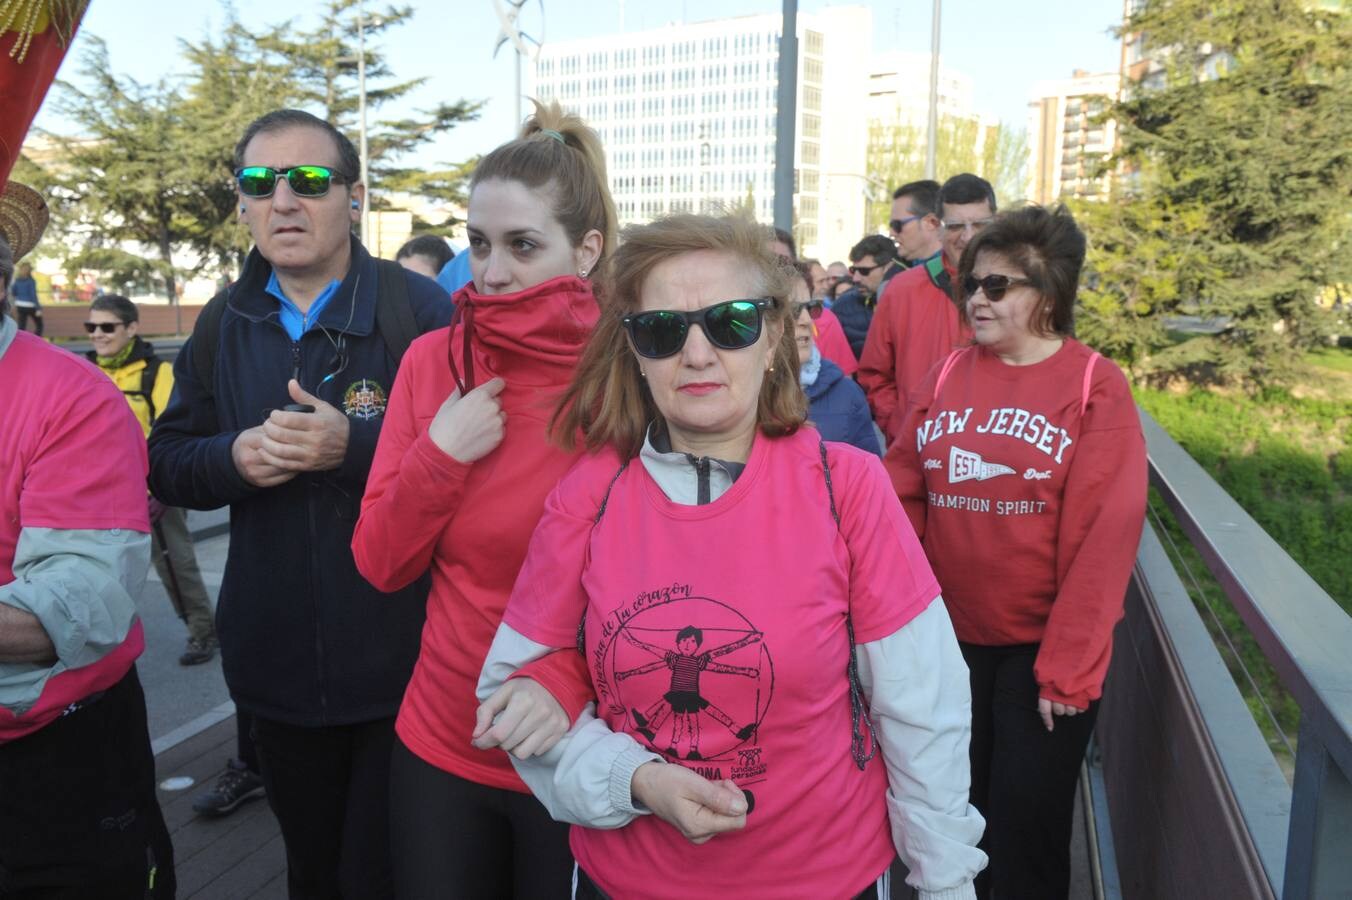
(457, 486)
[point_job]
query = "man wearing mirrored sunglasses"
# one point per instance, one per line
(916, 323)
(280, 397)
(874, 264)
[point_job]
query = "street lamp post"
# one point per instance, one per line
(787, 117)
(932, 145)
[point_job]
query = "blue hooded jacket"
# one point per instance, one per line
(839, 410)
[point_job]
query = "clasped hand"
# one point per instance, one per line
(521, 717)
(698, 808)
(288, 443)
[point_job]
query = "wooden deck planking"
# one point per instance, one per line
(236, 856)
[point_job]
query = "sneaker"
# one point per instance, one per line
(199, 651)
(235, 785)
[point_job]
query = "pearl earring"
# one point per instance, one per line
(582, 272)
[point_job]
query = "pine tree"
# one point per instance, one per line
(123, 178)
(1236, 201)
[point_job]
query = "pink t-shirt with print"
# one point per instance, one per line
(715, 636)
(74, 458)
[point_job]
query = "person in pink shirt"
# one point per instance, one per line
(78, 811)
(722, 569)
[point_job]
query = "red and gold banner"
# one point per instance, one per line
(34, 38)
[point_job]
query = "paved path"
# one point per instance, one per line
(177, 696)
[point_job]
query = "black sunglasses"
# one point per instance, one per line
(897, 224)
(730, 325)
(105, 327)
(814, 308)
(993, 286)
(304, 181)
(863, 270)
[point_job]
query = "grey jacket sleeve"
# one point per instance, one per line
(81, 584)
(585, 778)
(921, 705)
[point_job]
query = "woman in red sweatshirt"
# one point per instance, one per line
(457, 485)
(1022, 466)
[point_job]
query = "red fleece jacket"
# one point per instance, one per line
(470, 524)
(914, 326)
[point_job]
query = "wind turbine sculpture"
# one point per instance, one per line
(509, 13)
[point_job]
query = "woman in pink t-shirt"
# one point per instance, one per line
(723, 570)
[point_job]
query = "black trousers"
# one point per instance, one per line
(457, 838)
(244, 740)
(329, 788)
(78, 814)
(25, 313)
(1023, 777)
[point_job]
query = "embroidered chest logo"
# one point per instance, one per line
(365, 400)
(693, 677)
(964, 465)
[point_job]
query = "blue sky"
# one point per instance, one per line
(1006, 47)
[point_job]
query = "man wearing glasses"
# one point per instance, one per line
(279, 399)
(916, 323)
(915, 224)
(874, 264)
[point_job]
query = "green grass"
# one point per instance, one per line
(1288, 461)
(1337, 359)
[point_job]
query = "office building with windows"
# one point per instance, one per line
(1069, 138)
(687, 115)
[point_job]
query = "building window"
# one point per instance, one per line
(812, 71)
(814, 43)
(811, 153)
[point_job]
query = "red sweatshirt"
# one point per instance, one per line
(914, 326)
(1029, 507)
(470, 524)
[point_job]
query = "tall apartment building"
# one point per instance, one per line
(1067, 139)
(898, 90)
(687, 115)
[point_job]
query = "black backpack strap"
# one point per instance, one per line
(600, 511)
(206, 340)
(394, 311)
(862, 747)
(148, 376)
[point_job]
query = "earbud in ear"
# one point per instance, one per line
(356, 205)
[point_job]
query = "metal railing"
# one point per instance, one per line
(1199, 806)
